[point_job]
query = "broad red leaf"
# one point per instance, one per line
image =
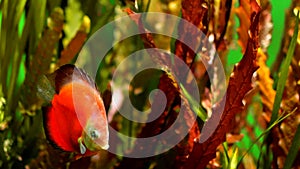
(265, 25)
(194, 12)
(239, 85)
(76, 43)
(167, 118)
(244, 11)
(221, 21)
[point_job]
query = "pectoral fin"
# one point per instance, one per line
(81, 146)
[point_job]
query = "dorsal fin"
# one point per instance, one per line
(68, 73)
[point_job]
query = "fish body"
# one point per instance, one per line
(76, 119)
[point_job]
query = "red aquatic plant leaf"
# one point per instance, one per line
(220, 20)
(148, 40)
(244, 11)
(157, 126)
(239, 85)
(194, 12)
(167, 117)
(76, 43)
(265, 25)
(163, 61)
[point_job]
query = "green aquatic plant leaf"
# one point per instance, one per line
(276, 122)
(284, 73)
(195, 106)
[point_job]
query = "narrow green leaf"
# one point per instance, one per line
(148, 5)
(18, 12)
(194, 105)
(234, 159)
(226, 160)
(13, 44)
(4, 33)
(277, 121)
(106, 17)
(27, 28)
(294, 149)
(36, 21)
(284, 73)
(21, 24)
(40, 16)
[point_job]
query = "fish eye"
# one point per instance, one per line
(94, 134)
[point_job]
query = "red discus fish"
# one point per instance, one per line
(76, 120)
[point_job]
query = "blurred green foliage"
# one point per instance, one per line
(29, 37)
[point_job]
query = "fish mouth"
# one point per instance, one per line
(96, 147)
(105, 147)
(100, 145)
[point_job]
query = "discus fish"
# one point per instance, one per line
(76, 119)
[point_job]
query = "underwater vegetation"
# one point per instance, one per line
(248, 118)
